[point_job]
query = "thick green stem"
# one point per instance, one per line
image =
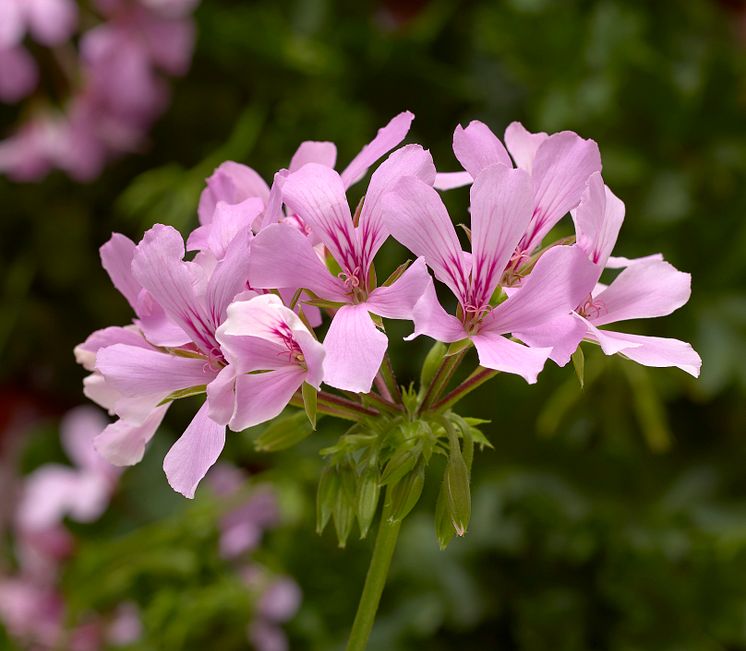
(440, 380)
(476, 379)
(375, 581)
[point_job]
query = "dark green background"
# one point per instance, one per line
(612, 518)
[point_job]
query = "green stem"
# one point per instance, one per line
(375, 581)
(476, 379)
(331, 410)
(440, 380)
(381, 403)
(337, 402)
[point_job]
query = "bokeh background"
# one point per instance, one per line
(612, 517)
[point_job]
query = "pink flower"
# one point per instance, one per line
(283, 257)
(501, 208)
(53, 491)
(559, 166)
(646, 288)
(270, 354)
(187, 301)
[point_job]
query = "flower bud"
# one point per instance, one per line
(368, 493)
(283, 433)
(406, 493)
(431, 363)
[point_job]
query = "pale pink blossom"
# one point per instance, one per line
(648, 287)
(501, 209)
(559, 166)
(283, 257)
(270, 354)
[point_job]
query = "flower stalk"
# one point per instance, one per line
(375, 580)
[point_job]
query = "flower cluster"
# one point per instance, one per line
(237, 321)
(108, 85)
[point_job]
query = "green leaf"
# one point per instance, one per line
(310, 400)
(578, 361)
(284, 432)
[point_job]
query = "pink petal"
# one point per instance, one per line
(562, 278)
(159, 266)
(451, 180)
(522, 144)
(136, 371)
(397, 300)
(123, 442)
(282, 257)
(432, 320)
(659, 352)
(619, 262)
(411, 160)
(598, 220)
(229, 278)
(221, 395)
(227, 222)
(562, 334)
(198, 448)
(354, 350)
(386, 139)
(85, 353)
(323, 153)
(476, 148)
(273, 212)
(415, 215)
(316, 194)
(563, 164)
(116, 258)
(502, 354)
(169, 43)
(262, 396)
(233, 183)
(641, 291)
(501, 203)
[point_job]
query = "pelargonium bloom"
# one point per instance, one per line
(270, 354)
(134, 376)
(501, 208)
(283, 257)
(559, 166)
(648, 287)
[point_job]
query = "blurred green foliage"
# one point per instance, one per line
(608, 518)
